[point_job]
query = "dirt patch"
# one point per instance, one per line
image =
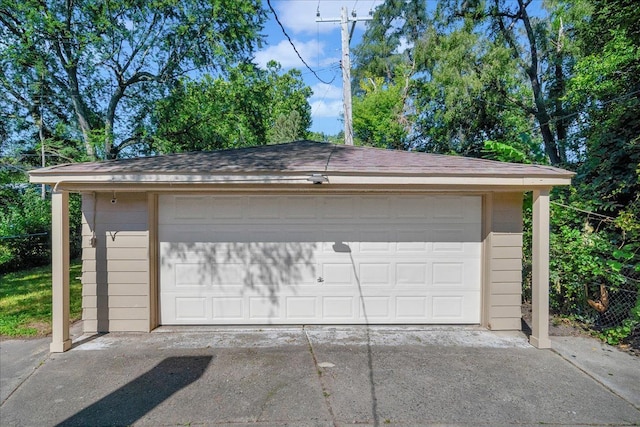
(43, 328)
(558, 326)
(563, 327)
(632, 344)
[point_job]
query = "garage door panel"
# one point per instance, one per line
(376, 309)
(339, 308)
(447, 273)
(278, 274)
(451, 273)
(232, 236)
(337, 207)
(262, 308)
(455, 209)
(373, 207)
(339, 274)
(416, 207)
(453, 233)
(227, 208)
(303, 308)
(342, 244)
(191, 209)
(227, 308)
(300, 207)
(411, 274)
(302, 236)
(411, 307)
(375, 274)
(409, 246)
(374, 241)
(190, 275)
(454, 308)
(191, 309)
(204, 253)
(263, 207)
(185, 233)
(227, 274)
(319, 259)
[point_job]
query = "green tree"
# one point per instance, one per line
(288, 93)
(389, 56)
(98, 65)
(240, 110)
(391, 44)
(286, 128)
(607, 82)
(377, 114)
(540, 45)
(467, 94)
(458, 60)
(455, 74)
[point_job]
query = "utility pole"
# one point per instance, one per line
(345, 64)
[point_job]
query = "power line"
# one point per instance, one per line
(604, 217)
(609, 101)
(554, 120)
(332, 67)
(275, 15)
(345, 64)
(324, 96)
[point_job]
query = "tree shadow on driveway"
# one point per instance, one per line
(133, 400)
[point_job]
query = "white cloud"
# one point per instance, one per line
(283, 53)
(325, 91)
(404, 45)
(325, 108)
(326, 100)
(300, 16)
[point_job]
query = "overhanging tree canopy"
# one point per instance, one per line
(105, 61)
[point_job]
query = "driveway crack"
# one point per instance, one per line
(323, 386)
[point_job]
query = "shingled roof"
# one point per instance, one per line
(296, 159)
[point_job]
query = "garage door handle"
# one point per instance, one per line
(320, 280)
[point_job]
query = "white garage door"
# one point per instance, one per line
(319, 259)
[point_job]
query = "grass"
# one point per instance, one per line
(25, 301)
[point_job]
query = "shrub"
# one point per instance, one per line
(25, 228)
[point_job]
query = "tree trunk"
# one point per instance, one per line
(542, 115)
(558, 93)
(561, 125)
(550, 146)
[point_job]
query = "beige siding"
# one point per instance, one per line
(115, 272)
(504, 262)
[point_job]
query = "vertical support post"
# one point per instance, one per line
(346, 65)
(540, 274)
(60, 340)
(487, 237)
(346, 78)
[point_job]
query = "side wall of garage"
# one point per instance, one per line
(115, 262)
(503, 261)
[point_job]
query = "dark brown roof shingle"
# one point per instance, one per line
(308, 156)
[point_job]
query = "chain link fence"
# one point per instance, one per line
(616, 310)
(24, 251)
(594, 274)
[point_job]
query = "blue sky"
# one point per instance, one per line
(319, 45)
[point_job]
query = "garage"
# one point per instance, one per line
(319, 259)
(300, 233)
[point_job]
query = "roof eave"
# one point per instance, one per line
(75, 181)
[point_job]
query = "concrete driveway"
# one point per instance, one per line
(321, 376)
